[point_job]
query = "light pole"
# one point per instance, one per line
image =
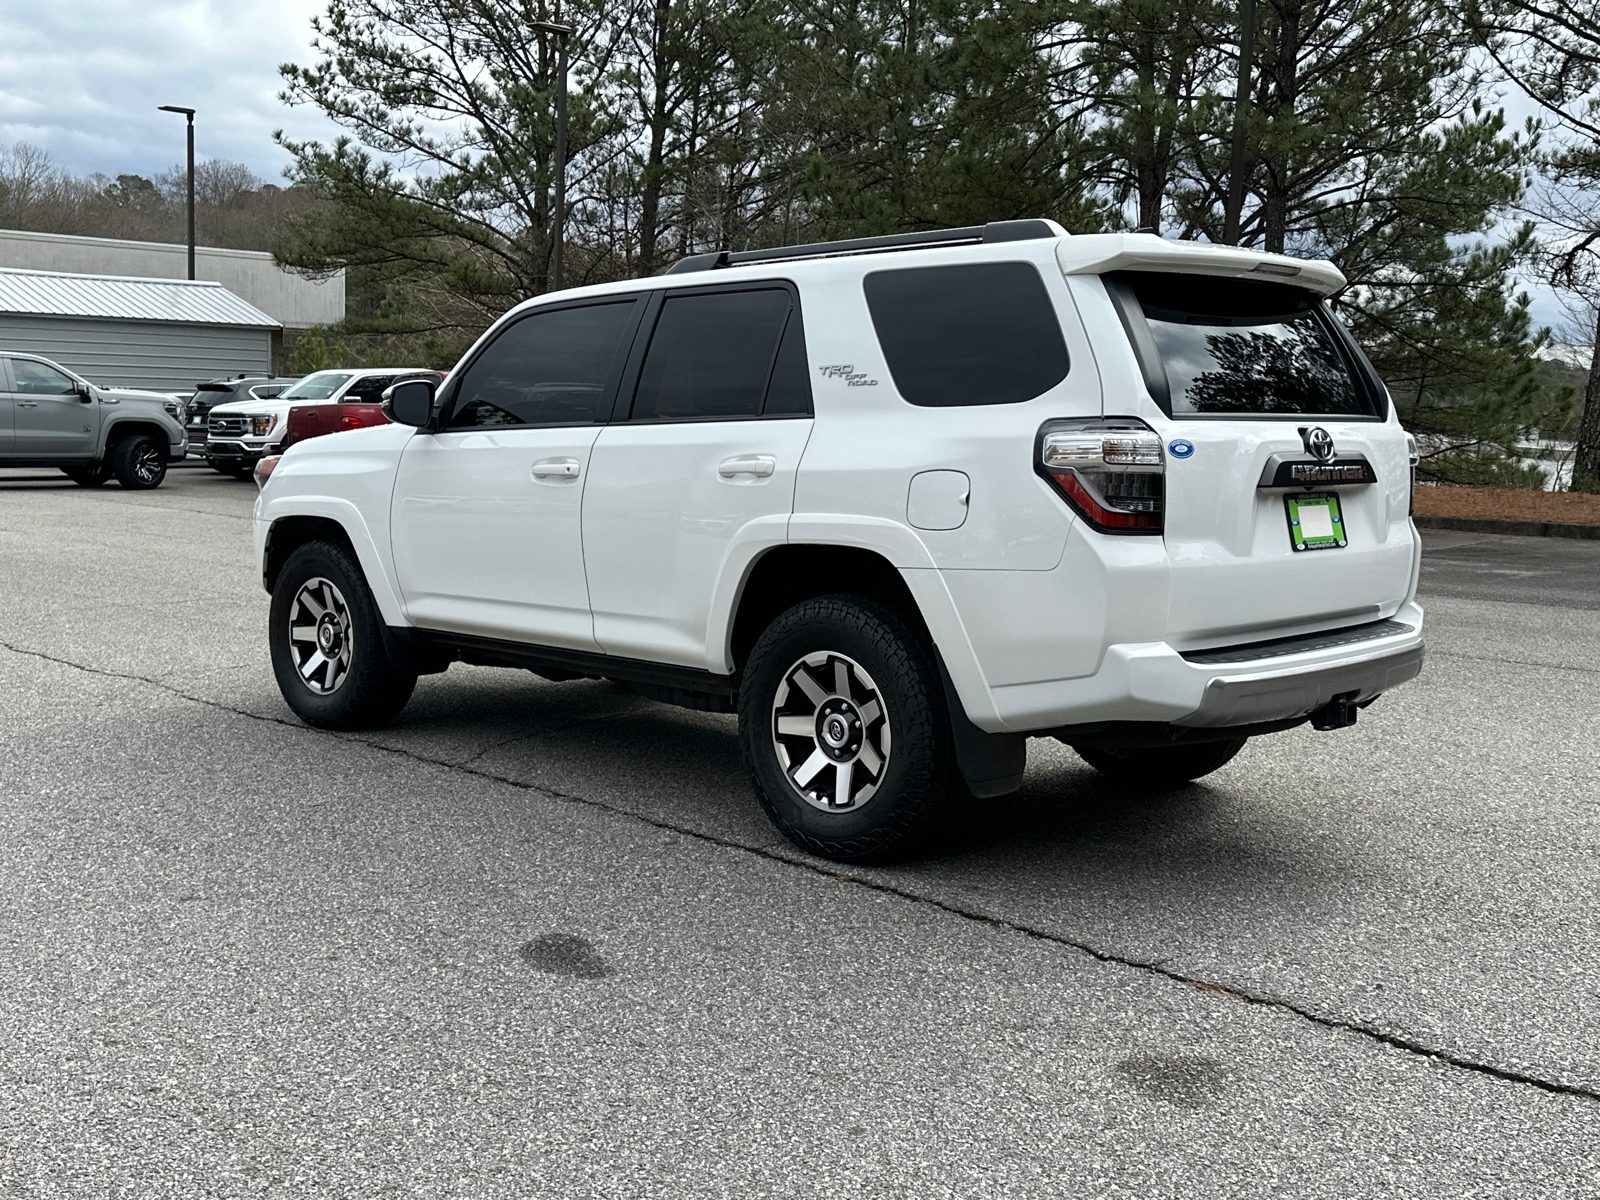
(1233, 214)
(188, 113)
(562, 33)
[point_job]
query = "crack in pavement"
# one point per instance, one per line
(837, 873)
(466, 763)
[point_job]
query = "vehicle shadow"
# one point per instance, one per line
(1067, 830)
(30, 483)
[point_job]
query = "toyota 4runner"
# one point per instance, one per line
(901, 503)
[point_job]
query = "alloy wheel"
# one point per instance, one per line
(831, 732)
(320, 636)
(147, 463)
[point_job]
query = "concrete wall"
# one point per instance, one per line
(140, 354)
(292, 300)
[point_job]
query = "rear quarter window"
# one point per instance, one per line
(979, 333)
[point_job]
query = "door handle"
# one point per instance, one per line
(556, 468)
(759, 465)
(27, 404)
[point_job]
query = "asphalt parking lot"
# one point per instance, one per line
(538, 940)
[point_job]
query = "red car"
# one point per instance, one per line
(355, 407)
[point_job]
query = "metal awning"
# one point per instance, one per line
(124, 298)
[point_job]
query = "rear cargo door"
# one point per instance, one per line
(1287, 481)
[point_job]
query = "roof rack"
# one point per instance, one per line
(994, 231)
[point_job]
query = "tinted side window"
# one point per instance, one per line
(789, 393)
(549, 368)
(984, 333)
(368, 389)
(711, 355)
(36, 379)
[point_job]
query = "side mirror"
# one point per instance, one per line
(409, 403)
(83, 391)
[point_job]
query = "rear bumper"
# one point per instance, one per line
(1274, 695)
(1269, 682)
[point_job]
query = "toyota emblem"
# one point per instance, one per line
(1319, 443)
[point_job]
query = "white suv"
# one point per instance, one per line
(902, 503)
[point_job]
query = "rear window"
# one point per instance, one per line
(984, 333)
(1231, 347)
(724, 355)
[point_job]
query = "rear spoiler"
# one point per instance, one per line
(1099, 253)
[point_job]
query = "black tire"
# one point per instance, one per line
(368, 691)
(1163, 767)
(889, 660)
(139, 461)
(91, 476)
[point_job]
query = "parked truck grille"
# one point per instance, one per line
(227, 426)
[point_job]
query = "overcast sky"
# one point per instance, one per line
(83, 79)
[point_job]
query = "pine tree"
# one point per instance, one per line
(1551, 49)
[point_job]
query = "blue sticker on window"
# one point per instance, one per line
(1180, 448)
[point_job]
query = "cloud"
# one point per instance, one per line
(84, 79)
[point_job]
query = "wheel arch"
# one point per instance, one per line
(288, 534)
(787, 575)
(991, 761)
(126, 427)
(288, 523)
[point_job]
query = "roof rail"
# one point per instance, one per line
(994, 231)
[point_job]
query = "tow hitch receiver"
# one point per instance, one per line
(1338, 713)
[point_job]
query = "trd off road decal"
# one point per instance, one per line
(848, 373)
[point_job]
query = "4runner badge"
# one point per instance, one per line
(848, 373)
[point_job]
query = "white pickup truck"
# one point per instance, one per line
(240, 433)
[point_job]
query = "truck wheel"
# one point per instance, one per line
(327, 643)
(843, 726)
(140, 461)
(92, 475)
(1162, 767)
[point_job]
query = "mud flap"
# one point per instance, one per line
(991, 763)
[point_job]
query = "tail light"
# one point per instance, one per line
(264, 469)
(1411, 451)
(351, 421)
(1112, 470)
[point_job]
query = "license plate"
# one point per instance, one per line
(1315, 522)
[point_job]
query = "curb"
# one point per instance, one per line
(1556, 529)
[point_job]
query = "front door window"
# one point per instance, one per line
(486, 512)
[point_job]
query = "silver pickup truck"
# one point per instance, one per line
(51, 417)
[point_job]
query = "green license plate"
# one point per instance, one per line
(1315, 522)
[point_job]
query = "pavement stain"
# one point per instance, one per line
(1186, 1082)
(565, 954)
